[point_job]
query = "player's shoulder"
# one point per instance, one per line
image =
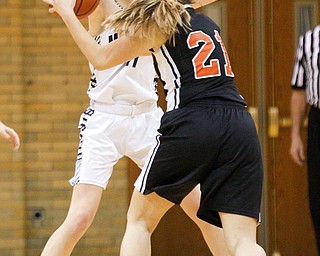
(203, 21)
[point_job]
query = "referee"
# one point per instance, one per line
(306, 91)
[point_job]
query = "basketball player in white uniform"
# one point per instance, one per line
(122, 120)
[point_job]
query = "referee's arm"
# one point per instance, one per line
(298, 112)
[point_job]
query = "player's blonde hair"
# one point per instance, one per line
(167, 14)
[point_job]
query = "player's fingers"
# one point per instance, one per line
(14, 138)
(5, 135)
(51, 9)
(48, 2)
(16, 142)
(16, 145)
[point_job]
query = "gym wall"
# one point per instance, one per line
(43, 83)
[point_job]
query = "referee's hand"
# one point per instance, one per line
(297, 151)
(10, 135)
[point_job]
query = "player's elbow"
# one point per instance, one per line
(97, 57)
(99, 63)
(99, 66)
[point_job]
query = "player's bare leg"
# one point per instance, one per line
(143, 216)
(213, 235)
(84, 204)
(240, 234)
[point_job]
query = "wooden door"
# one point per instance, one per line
(289, 223)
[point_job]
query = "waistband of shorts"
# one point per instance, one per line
(126, 110)
(212, 102)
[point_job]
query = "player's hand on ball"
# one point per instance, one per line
(62, 7)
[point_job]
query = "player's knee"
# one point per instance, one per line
(239, 243)
(78, 224)
(248, 247)
(145, 222)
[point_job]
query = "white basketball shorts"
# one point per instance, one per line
(109, 132)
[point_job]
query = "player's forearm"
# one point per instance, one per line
(107, 56)
(88, 46)
(115, 53)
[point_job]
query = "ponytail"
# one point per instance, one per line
(168, 15)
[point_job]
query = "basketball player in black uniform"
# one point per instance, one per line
(206, 136)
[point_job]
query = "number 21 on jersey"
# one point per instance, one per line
(212, 69)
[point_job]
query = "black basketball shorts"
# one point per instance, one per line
(215, 145)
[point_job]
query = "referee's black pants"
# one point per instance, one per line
(313, 158)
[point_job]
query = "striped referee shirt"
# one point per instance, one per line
(306, 66)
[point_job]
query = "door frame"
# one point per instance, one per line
(259, 35)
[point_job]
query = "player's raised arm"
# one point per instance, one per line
(101, 57)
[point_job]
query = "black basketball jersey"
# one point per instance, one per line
(197, 66)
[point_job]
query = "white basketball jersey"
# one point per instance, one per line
(130, 83)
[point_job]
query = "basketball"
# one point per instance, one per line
(83, 8)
